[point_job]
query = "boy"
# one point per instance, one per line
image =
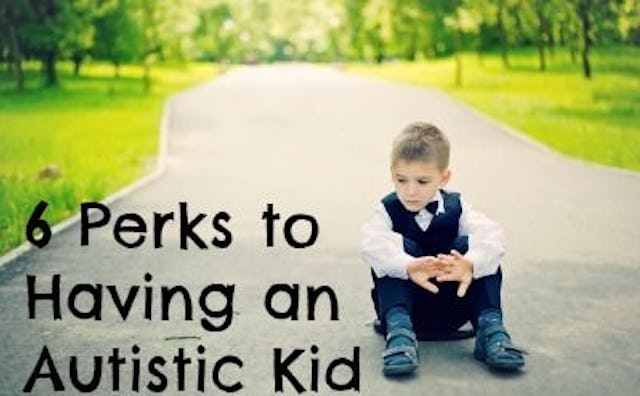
(435, 262)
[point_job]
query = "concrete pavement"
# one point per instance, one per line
(316, 141)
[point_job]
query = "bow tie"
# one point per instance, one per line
(432, 207)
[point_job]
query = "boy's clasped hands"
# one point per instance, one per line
(443, 267)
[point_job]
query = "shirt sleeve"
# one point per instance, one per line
(486, 241)
(382, 248)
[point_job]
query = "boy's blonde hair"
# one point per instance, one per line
(421, 141)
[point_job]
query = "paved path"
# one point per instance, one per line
(316, 141)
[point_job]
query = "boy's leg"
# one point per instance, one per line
(442, 313)
(431, 314)
(393, 300)
(483, 296)
(389, 292)
(493, 342)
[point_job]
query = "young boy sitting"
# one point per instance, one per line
(435, 262)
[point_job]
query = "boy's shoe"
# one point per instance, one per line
(494, 347)
(401, 354)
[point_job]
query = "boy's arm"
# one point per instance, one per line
(486, 241)
(382, 248)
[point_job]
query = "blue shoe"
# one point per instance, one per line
(401, 354)
(494, 347)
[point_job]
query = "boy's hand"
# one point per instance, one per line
(422, 269)
(456, 268)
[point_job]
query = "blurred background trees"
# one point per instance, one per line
(253, 31)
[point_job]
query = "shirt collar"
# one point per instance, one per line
(436, 197)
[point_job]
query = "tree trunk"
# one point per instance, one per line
(541, 36)
(551, 37)
(77, 62)
(16, 54)
(17, 59)
(148, 45)
(562, 33)
(583, 13)
(541, 57)
(378, 45)
(480, 45)
(519, 24)
(116, 69)
(49, 68)
(586, 66)
(458, 41)
(573, 48)
(504, 42)
(413, 45)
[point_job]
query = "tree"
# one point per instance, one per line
(629, 21)
(78, 36)
(12, 13)
(542, 13)
(356, 27)
(406, 23)
(583, 10)
(149, 40)
(568, 28)
(43, 32)
(461, 21)
(117, 36)
(212, 35)
(482, 17)
(379, 28)
(503, 31)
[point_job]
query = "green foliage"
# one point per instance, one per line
(41, 30)
(78, 36)
(97, 134)
(121, 31)
(595, 120)
(118, 37)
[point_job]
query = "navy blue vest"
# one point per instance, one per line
(441, 235)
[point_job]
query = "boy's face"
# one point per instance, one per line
(416, 182)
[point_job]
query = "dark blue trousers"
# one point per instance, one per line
(441, 312)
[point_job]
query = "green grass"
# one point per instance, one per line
(99, 132)
(597, 120)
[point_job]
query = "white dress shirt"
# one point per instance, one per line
(383, 249)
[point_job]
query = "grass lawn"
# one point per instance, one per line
(597, 120)
(99, 132)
